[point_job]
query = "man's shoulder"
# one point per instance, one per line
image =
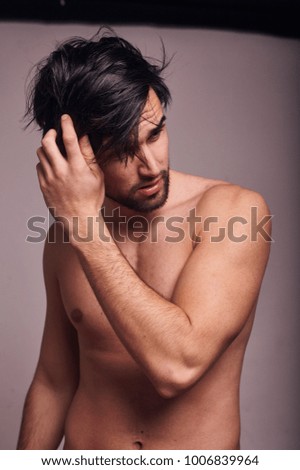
(229, 199)
(218, 195)
(236, 216)
(220, 204)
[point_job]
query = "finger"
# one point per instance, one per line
(88, 152)
(45, 165)
(86, 149)
(70, 140)
(89, 156)
(51, 150)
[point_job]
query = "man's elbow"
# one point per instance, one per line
(176, 381)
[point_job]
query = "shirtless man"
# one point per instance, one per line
(145, 332)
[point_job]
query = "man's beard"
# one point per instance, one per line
(149, 203)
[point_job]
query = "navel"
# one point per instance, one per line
(138, 445)
(76, 315)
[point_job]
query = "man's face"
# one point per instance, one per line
(142, 184)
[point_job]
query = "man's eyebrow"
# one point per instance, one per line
(158, 126)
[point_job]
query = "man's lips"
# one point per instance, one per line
(151, 188)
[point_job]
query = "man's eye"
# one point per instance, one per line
(153, 137)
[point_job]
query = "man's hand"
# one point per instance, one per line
(72, 188)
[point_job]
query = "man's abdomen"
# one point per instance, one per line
(117, 407)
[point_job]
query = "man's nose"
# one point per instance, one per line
(148, 166)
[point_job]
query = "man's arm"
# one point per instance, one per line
(56, 376)
(175, 342)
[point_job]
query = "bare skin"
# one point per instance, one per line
(144, 340)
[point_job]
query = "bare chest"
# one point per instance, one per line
(158, 263)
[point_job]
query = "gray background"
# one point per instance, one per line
(235, 116)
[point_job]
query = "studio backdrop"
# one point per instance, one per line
(234, 116)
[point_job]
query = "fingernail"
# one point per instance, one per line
(64, 117)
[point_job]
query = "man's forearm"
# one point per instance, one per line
(43, 419)
(155, 331)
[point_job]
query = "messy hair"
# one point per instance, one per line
(103, 84)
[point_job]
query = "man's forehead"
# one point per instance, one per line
(152, 112)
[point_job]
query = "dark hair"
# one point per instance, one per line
(103, 84)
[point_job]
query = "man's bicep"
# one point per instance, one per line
(58, 361)
(219, 285)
